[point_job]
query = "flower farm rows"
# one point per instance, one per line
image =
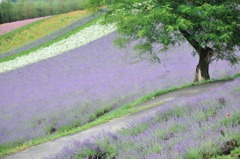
(193, 127)
(25, 36)
(66, 90)
(83, 37)
(7, 27)
(52, 36)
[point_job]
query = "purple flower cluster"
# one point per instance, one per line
(198, 132)
(68, 89)
(7, 27)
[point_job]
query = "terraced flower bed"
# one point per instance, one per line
(69, 90)
(81, 38)
(53, 37)
(7, 27)
(38, 30)
(205, 126)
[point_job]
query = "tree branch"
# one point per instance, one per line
(193, 42)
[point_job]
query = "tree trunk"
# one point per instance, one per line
(205, 55)
(202, 70)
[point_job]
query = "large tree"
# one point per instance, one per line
(210, 26)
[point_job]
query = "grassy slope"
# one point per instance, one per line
(124, 110)
(9, 27)
(34, 31)
(12, 57)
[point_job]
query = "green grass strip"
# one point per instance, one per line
(12, 57)
(25, 27)
(126, 109)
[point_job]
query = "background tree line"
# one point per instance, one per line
(14, 10)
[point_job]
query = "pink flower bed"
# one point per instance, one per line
(7, 27)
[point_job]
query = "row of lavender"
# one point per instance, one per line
(76, 24)
(82, 37)
(195, 127)
(68, 89)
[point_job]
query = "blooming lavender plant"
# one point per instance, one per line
(66, 90)
(81, 38)
(182, 136)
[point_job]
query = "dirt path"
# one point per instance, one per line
(52, 147)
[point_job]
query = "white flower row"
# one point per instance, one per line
(81, 38)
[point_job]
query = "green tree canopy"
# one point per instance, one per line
(210, 26)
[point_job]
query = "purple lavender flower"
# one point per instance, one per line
(192, 137)
(67, 90)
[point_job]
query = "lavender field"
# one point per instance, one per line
(67, 90)
(191, 127)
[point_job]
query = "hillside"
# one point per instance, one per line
(37, 30)
(7, 27)
(86, 80)
(61, 74)
(201, 126)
